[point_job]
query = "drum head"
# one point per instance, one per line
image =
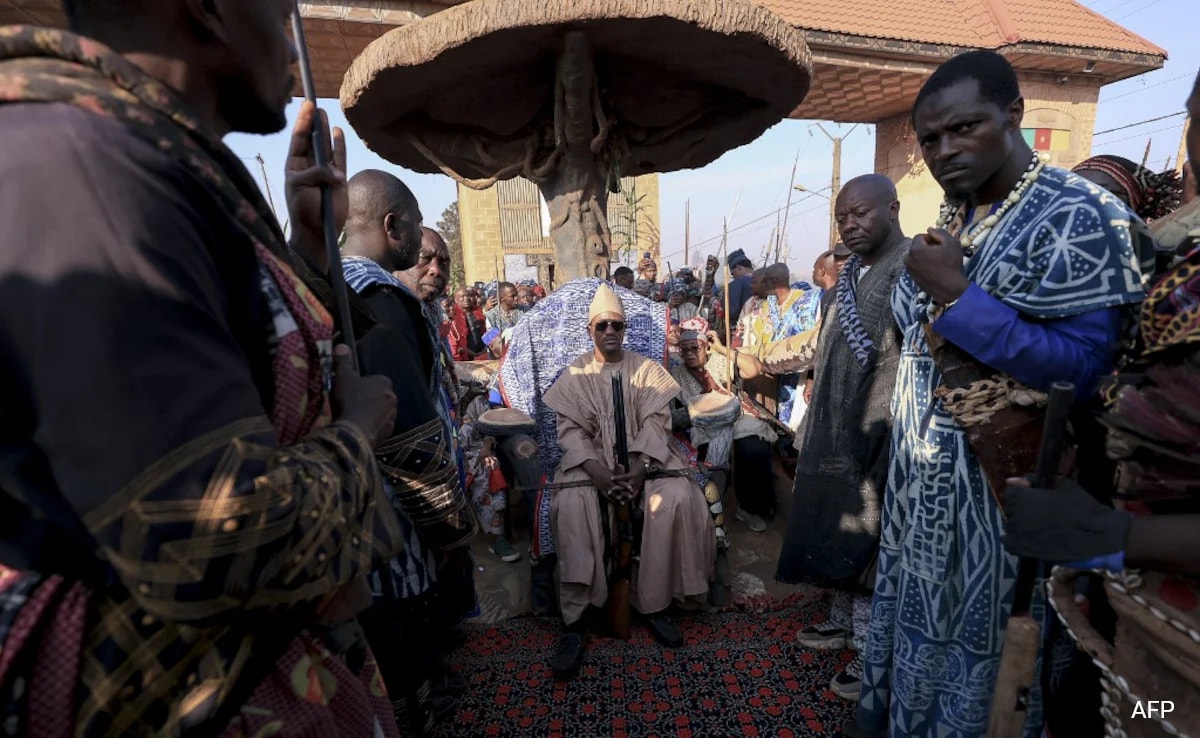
(506, 422)
(713, 405)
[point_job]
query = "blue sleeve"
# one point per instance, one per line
(1077, 349)
(495, 399)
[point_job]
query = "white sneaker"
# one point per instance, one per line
(753, 522)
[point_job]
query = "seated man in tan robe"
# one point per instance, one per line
(678, 545)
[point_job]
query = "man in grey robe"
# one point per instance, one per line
(832, 537)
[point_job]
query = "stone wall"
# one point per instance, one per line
(1063, 113)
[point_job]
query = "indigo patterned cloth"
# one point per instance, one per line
(945, 583)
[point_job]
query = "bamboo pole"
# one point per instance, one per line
(728, 333)
(787, 208)
(1182, 156)
(687, 231)
(725, 258)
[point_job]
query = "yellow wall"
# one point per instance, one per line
(479, 221)
(479, 216)
(649, 217)
(1066, 108)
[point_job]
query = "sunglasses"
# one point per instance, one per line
(603, 326)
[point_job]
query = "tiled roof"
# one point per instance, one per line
(967, 23)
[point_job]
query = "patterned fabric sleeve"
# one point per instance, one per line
(268, 527)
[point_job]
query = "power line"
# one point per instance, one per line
(1140, 135)
(1135, 12)
(747, 224)
(1144, 88)
(1118, 5)
(1141, 123)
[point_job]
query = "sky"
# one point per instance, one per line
(749, 186)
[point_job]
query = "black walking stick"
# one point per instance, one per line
(1018, 660)
(321, 154)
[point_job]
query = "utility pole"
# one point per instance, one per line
(836, 181)
(687, 231)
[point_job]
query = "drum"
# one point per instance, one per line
(714, 415)
(1155, 656)
(422, 476)
(714, 409)
(475, 372)
(504, 421)
(791, 355)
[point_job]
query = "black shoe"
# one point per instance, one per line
(853, 730)
(569, 657)
(450, 684)
(442, 706)
(413, 717)
(664, 630)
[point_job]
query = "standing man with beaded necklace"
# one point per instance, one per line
(1029, 277)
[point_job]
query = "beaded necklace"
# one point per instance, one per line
(974, 235)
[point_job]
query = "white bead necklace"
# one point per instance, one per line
(974, 235)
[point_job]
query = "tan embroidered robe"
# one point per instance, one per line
(678, 542)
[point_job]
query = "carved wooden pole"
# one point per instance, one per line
(576, 191)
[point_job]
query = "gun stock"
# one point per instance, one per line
(1018, 660)
(619, 598)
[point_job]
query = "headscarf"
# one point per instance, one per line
(693, 329)
(1150, 195)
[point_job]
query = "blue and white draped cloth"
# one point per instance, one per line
(851, 324)
(549, 337)
(797, 315)
(945, 583)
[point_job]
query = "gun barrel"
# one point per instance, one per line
(322, 156)
(622, 441)
(1054, 434)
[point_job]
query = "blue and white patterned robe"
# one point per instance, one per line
(945, 582)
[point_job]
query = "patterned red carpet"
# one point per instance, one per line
(740, 674)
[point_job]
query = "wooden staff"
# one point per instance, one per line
(321, 154)
(725, 258)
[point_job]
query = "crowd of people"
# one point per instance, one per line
(219, 518)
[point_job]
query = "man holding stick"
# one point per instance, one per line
(678, 543)
(188, 514)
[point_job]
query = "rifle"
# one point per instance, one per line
(655, 472)
(1018, 660)
(622, 571)
(337, 280)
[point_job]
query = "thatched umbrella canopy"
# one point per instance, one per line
(574, 94)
